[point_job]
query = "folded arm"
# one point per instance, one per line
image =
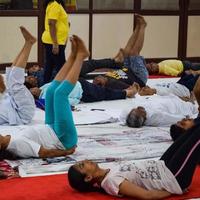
(129, 189)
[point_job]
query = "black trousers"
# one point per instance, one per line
(53, 63)
(92, 92)
(183, 156)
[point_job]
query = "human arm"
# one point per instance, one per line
(49, 153)
(129, 189)
(52, 30)
(196, 91)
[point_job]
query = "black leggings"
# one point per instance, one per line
(183, 156)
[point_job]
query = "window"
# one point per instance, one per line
(73, 5)
(113, 4)
(194, 5)
(160, 5)
(18, 4)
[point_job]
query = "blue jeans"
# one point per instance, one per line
(137, 65)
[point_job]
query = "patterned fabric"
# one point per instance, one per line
(6, 171)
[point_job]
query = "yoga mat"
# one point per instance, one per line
(56, 187)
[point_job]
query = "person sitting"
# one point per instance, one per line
(147, 179)
(158, 111)
(17, 104)
(58, 136)
(182, 88)
(171, 67)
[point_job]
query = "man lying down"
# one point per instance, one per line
(157, 111)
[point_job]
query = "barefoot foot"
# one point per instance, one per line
(132, 90)
(81, 48)
(27, 35)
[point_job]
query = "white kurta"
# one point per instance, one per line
(162, 110)
(27, 141)
(17, 105)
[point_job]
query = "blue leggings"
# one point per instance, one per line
(58, 113)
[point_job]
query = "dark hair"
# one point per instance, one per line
(134, 120)
(176, 131)
(5, 154)
(28, 85)
(76, 181)
(46, 2)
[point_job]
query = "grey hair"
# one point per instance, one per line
(135, 120)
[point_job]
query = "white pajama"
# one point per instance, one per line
(17, 105)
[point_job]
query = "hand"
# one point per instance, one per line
(55, 49)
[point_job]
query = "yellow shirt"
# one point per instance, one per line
(55, 11)
(171, 67)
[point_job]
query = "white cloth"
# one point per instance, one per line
(27, 141)
(172, 88)
(147, 174)
(17, 105)
(162, 110)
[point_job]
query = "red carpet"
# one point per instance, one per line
(56, 188)
(161, 76)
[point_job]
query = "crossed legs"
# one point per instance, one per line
(135, 42)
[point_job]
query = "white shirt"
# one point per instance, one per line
(172, 88)
(27, 141)
(162, 110)
(149, 174)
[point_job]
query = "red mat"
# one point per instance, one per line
(161, 76)
(56, 188)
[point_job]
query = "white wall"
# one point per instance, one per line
(161, 38)
(193, 42)
(11, 40)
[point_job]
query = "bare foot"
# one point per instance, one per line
(140, 19)
(70, 151)
(132, 90)
(81, 48)
(119, 58)
(74, 47)
(2, 84)
(27, 35)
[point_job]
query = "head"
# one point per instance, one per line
(30, 82)
(100, 80)
(82, 176)
(46, 2)
(181, 127)
(136, 117)
(2, 84)
(35, 92)
(34, 68)
(152, 68)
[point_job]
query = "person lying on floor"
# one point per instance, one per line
(16, 103)
(158, 111)
(132, 68)
(122, 77)
(181, 127)
(148, 179)
(171, 67)
(88, 92)
(182, 88)
(58, 136)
